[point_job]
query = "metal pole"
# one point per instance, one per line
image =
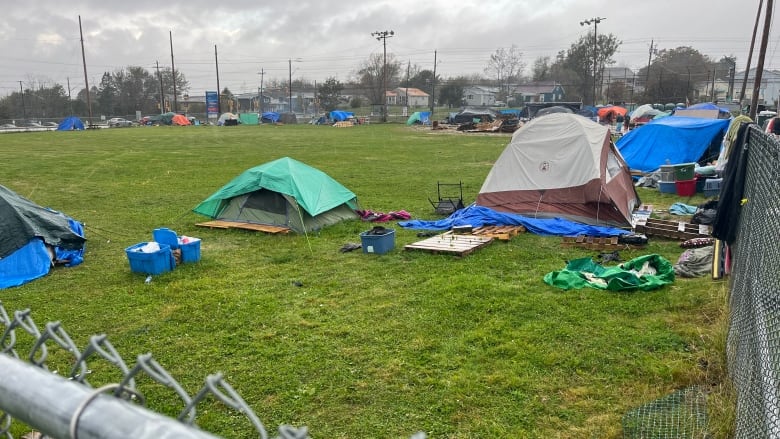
(86, 81)
(24, 109)
(290, 88)
(173, 72)
(50, 403)
(262, 73)
(219, 98)
(162, 96)
(433, 85)
(383, 36)
(761, 54)
(750, 53)
(595, 22)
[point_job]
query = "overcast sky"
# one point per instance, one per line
(39, 40)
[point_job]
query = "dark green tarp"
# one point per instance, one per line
(22, 220)
(644, 273)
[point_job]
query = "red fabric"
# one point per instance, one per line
(379, 217)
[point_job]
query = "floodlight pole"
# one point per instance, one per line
(595, 22)
(383, 36)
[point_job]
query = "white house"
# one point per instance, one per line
(412, 97)
(480, 95)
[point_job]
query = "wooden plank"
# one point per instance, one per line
(596, 243)
(502, 233)
(459, 245)
(669, 229)
(219, 224)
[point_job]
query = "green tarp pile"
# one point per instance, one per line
(642, 273)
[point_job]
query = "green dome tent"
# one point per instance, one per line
(284, 192)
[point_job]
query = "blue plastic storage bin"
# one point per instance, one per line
(156, 262)
(190, 251)
(667, 187)
(378, 244)
(166, 236)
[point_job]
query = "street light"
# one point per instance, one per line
(383, 36)
(595, 22)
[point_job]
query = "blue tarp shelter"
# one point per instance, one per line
(270, 117)
(723, 113)
(338, 115)
(423, 117)
(672, 140)
(70, 123)
(27, 234)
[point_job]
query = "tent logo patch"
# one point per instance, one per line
(545, 166)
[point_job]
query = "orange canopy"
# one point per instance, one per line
(178, 119)
(604, 111)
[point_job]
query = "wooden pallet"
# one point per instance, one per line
(219, 224)
(502, 233)
(459, 245)
(671, 229)
(595, 243)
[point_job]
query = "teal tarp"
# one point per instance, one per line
(423, 117)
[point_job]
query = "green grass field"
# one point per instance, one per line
(370, 345)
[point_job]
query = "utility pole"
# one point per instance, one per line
(173, 72)
(289, 90)
(162, 96)
(70, 101)
(649, 59)
(761, 54)
(24, 109)
(86, 81)
(219, 98)
(433, 85)
(408, 67)
(261, 73)
(750, 53)
(383, 36)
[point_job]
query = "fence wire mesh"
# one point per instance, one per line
(683, 414)
(753, 343)
(98, 348)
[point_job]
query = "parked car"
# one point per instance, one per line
(119, 122)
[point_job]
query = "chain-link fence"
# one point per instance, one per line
(753, 344)
(68, 406)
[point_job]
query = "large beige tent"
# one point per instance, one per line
(562, 165)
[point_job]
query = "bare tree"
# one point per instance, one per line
(370, 75)
(505, 65)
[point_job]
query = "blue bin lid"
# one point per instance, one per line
(166, 236)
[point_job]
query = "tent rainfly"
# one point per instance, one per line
(284, 192)
(562, 165)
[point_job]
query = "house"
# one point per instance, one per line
(480, 95)
(412, 97)
(768, 90)
(538, 92)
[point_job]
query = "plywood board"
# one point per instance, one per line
(459, 245)
(219, 224)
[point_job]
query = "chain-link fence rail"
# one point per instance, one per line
(753, 343)
(69, 407)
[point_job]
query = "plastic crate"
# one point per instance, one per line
(190, 250)
(667, 187)
(712, 186)
(666, 173)
(378, 244)
(684, 171)
(156, 262)
(166, 236)
(686, 188)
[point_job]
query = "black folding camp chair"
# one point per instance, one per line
(450, 198)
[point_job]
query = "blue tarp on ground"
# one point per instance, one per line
(338, 116)
(672, 140)
(70, 123)
(478, 216)
(423, 117)
(270, 117)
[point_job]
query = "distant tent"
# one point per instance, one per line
(509, 112)
(419, 117)
(612, 111)
(167, 118)
(587, 111)
(470, 115)
(672, 140)
(248, 118)
(270, 117)
(32, 238)
(180, 120)
(288, 118)
(338, 116)
(70, 123)
(284, 192)
(705, 108)
(562, 165)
